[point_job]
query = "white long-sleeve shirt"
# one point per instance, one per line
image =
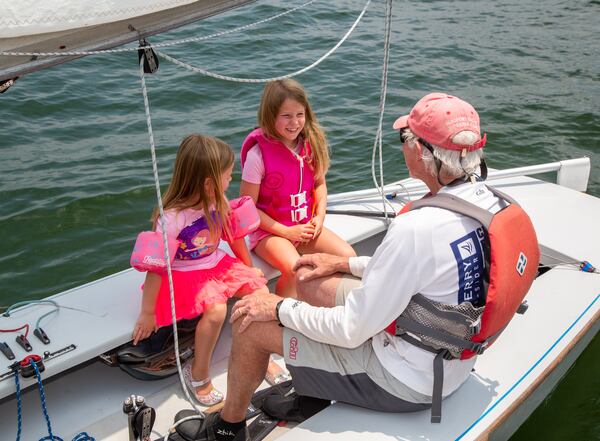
(430, 251)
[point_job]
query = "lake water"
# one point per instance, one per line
(76, 182)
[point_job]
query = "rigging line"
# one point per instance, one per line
(29, 302)
(165, 44)
(377, 145)
(25, 326)
(562, 260)
(583, 265)
(264, 80)
(164, 234)
(574, 265)
(57, 306)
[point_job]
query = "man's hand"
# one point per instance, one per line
(258, 307)
(322, 265)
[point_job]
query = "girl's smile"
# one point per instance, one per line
(290, 122)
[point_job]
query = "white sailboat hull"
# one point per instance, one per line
(508, 383)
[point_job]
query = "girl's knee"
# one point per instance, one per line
(215, 312)
(263, 290)
(287, 271)
(299, 273)
(347, 250)
(343, 248)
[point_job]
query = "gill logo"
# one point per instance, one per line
(521, 263)
(293, 347)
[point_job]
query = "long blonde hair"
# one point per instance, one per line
(199, 158)
(275, 93)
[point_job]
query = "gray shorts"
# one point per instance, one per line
(353, 376)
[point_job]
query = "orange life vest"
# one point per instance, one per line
(512, 256)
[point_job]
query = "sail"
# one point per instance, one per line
(87, 25)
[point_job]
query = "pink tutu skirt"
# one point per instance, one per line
(196, 289)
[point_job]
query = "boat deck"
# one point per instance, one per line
(509, 381)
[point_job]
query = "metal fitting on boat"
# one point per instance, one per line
(128, 405)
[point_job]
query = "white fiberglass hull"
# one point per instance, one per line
(509, 381)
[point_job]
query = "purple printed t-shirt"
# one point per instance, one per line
(196, 250)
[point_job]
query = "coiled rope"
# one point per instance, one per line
(82, 436)
(157, 45)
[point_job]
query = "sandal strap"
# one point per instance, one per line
(200, 383)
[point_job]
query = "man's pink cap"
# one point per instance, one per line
(438, 117)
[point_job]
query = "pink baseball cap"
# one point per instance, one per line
(437, 117)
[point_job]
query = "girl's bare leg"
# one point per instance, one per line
(321, 292)
(281, 254)
(327, 242)
(207, 333)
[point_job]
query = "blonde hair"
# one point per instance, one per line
(275, 93)
(200, 158)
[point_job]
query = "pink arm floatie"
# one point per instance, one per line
(149, 253)
(243, 217)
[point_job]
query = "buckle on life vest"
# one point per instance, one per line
(446, 354)
(475, 327)
(298, 199)
(479, 348)
(299, 214)
(522, 307)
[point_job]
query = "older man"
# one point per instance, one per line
(352, 337)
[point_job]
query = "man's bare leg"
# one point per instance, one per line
(317, 292)
(248, 362)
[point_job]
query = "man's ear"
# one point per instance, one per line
(419, 148)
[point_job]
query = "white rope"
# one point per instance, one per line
(164, 233)
(264, 80)
(377, 145)
(165, 44)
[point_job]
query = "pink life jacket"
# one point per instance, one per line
(286, 191)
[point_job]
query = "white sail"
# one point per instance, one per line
(31, 17)
(70, 26)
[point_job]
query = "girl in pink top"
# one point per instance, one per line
(204, 276)
(284, 165)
